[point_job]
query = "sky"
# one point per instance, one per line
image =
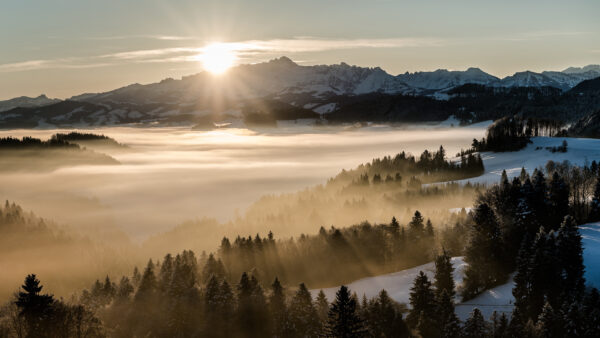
(67, 47)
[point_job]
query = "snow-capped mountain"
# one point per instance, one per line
(564, 80)
(444, 79)
(279, 89)
(25, 101)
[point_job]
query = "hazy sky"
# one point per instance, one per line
(67, 47)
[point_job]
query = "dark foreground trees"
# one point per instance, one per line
(34, 314)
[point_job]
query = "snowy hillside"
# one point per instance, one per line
(579, 151)
(499, 299)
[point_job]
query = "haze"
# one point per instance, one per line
(170, 175)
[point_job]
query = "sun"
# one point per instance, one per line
(217, 58)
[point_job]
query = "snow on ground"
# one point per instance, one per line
(579, 151)
(591, 252)
(325, 109)
(498, 299)
(397, 284)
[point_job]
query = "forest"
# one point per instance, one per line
(33, 154)
(526, 227)
(512, 133)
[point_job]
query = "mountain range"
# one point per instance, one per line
(279, 89)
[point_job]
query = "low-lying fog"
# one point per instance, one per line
(173, 174)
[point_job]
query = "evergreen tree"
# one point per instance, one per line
(549, 324)
(522, 288)
(322, 306)
(499, 327)
(444, 278)
(148, 284)
(384, 318)
(416, 226)
(422, 300)
(570, 254)
(591, 314)
(475, 325)
(343, 320)
(278, 310)
(559, 201)
(124, 290)
(429, 228)
(37, 309)
(213, 267)
(303, 315)
(448, 323)
(251, 311)
(484, 253)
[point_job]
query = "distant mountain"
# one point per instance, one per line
(25, 101)
(283, 90)
(444, 79)
(581, 70)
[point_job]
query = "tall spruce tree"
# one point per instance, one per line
(303, 315)
(422, 300)
(570, 255)
(448, 323)
(278, 310)
(558, 196)
(322, 306)
(384, 318)
(443, 278)
(37, 309)
(343, 320)
(475, 325)
(484, 253)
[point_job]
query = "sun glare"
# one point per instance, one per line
(217, 58)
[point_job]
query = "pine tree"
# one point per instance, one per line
(484, 253)
(148, 284)
(384, 318)
(278, 310)
(499, 327)
(559, 201)
(322, 306)
(475, 325)
(251, 311)
(37, 309)
(303, 314)
(591, 314)
(416, 226)
(570, 254)
(516, 326)
(343, 320)
(124, 290)
(217, 308)
(427, 327)
(522, 288)
(444, 279)
(213, 267)
(422, 300)
(429, 228)
(448, 323)
(549, 324)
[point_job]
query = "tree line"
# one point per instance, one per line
(512, 133)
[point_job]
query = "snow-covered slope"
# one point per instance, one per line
(397, 284)
(579, 151)
(26, 102)
(499, 299)
(591, 252)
